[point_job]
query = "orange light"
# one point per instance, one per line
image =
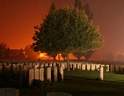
(43, 55)
(59, 57)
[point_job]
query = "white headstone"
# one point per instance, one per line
(55, 72)
(37, 74)
(88, 67)
(61, 72)
(46, 64)
(49, 73)
(42, 74)
(25, 67)
(83, 66)
(97, 67)
(107, 68)
(37, 65)
(101, 71)
(14, 66)
(50, 64)
(63, 66)
(78, 66)
(31, 76)
(74, 66)
(92, 67)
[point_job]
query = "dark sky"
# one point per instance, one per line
(18, 17)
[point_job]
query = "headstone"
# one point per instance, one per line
(37, 74)
(92, 67)
(37, 65)
(74, 66)
(41, 65)
(78, 66)
(97, 67)
(14, 67)
(31, 75)
(50, 64)
(46, 64)
(55, 72)
(49, 73)
(107, 68)
(61, 72)
(30, 65)
(101, 71)
(63, 66)
(71, 66)
(42, 74)
(83, 66)
(88, 67)
(25, 67)
(54, 64)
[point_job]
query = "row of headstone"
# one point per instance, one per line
(73, 66)
(117, 68)
(46, 73)
(24, 66)
(88, 67)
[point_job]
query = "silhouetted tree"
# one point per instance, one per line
(66, 31)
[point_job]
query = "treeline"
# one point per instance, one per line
(8, 54)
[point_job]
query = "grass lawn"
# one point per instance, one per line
(108, 76)
(83, 83)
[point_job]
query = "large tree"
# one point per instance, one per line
(64, 31)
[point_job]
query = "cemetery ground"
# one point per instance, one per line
(81, 83)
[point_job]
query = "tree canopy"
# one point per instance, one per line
(66, 31)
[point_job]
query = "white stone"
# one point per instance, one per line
(25, 67)
(97, 67)
(61, 72)
(107, 68)
(74, 65)
(37, 74)
(88, 67)
(55, 72)
(41, 65)
(101, 71)
(83, 66)
(92, 67)
(49, 73)
(36, 66)
(42, 74)
(14, 66)
(71, 66)
(78, 66)
(63, 66)
(31, 76)
(46, 64)
(50, 64)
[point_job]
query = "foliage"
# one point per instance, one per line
(66, 31)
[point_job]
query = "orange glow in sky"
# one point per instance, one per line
(18, 18)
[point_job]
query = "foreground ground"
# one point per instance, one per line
(78, 83)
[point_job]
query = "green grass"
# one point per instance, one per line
(84, 83)
(108, 76)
